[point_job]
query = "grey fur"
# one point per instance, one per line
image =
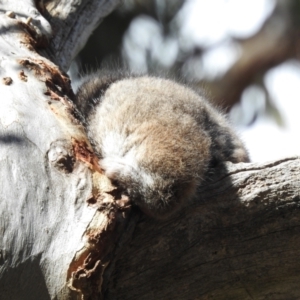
(155, 138)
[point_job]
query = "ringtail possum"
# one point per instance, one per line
(156, 139)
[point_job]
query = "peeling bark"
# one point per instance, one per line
(47, 165)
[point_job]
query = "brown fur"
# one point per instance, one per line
(155, 138)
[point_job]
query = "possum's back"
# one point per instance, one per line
(150, 122)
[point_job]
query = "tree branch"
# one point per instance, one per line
(72, 23)
(266, 49)
(239, 240)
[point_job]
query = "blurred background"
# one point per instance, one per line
(244, 54)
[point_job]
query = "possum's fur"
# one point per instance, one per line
(155, 138)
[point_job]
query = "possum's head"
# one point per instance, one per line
(156, 196)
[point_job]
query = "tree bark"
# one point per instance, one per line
(47, 167)
(66, 233)
(239, 239)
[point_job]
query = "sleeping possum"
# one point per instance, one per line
(155, 138)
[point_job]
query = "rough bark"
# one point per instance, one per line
(239, 239)
(67, 234)
(47, 167)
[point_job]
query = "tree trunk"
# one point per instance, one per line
(45, 159)
(65, 232)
